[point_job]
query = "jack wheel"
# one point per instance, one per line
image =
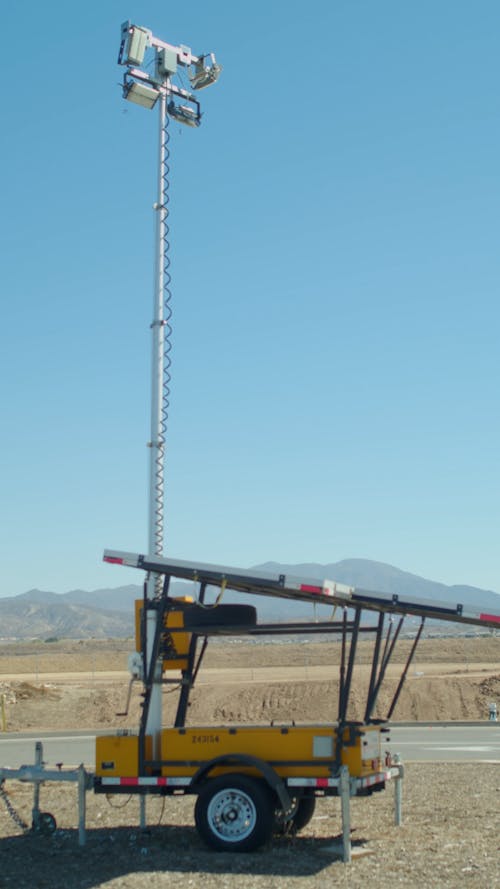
(46, 824)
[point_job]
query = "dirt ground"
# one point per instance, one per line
(450, 834)
(74, 685)
(449, 839)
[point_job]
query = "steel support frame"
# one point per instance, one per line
(405, 671)
(379, 665)
(189, 675)
(151, 678)
(345, 689)
(346, 627)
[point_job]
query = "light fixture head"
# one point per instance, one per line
(140, 93)
(202, 75)
(133, 44)
(185, 114)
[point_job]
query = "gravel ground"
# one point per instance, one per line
(450, 838)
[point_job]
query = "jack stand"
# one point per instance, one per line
(37, 774)
(41, 822)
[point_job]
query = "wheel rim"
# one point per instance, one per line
(232, 815)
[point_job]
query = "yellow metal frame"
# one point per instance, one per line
(179, 643)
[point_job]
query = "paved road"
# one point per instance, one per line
(277, 673)
(415, 743)
(447, 743)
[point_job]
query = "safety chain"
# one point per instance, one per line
(10, 808)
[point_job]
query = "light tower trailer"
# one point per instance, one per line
(253, 781)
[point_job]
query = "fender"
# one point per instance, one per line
(268, 773)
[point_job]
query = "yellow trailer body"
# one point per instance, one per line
(292, 751)
(117, 756)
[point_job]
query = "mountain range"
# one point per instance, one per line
(105, 613)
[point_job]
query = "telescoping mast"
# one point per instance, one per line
(151, 66)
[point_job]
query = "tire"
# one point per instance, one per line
(305, 811)
(234, 813)
(300, 815)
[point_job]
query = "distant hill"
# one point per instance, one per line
(117, 599)
(40, 618)
(105, 613)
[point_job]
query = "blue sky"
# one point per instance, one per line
(334, 231)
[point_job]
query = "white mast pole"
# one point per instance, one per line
(157, 443)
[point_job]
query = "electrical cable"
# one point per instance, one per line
(121, 805)
(162, 811)
(167, 293)
(166, 297)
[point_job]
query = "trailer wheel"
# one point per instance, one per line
(234, 813)
(297, 817)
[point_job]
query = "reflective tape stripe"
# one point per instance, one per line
(320, 783)
(494, 617)
(378, 778)
(146, 782)
(312, 782)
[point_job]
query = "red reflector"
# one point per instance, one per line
(493, 617)
(321, 782)
(129, 782)
(310, 589)
(113, 560)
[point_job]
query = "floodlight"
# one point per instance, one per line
(202, 75)
(184, 114)
(140, 93)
